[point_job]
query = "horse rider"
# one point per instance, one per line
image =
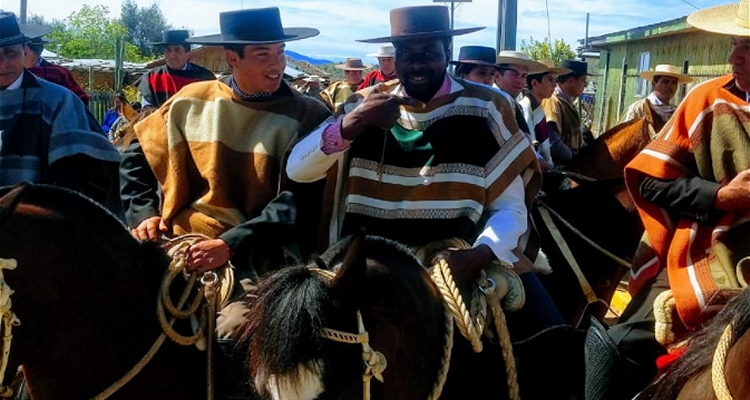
(215, 151)
(48, 136)
(512, 69)
(691, 186)
(428, 158)
(42, 68)
(159, 84)
(539, 87)
(475, 64)
(664, 80)
(563, 119)
(337, 92)
(386, 68)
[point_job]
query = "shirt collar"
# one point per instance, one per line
(17, 83)
(562, 94)
(654, 99)
(444, 89)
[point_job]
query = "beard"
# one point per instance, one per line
(422, 83)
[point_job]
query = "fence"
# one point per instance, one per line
(101, 101)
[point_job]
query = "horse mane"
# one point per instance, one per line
(702, 345)
(287, 310)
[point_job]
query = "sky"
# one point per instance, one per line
(342, 21)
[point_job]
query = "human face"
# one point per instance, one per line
(512, 79)
(665, 88)
(260, 70)
(11, 64)
(740, 60)
(420, 65)
(353, 77)
(573, 87)
(387, 65)
(543, 88)
(176, 56)
(481, 74)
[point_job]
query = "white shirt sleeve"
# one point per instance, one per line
(307, 161)
(506, 222)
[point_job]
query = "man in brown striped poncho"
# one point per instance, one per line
(215, 150)
(429, 158)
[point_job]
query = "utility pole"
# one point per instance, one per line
(452, 16)
(22, 17)
(507, 20)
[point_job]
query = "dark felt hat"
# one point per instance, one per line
(420, 22)
(253, 26)
(172, 37)
(11, 33)
(476, 55)
(579, 68)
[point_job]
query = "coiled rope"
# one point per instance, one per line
(9, 320)
(718, 379)
(472, 322)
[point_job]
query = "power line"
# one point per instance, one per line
(690, 4)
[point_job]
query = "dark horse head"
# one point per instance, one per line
(401, 309)
(84, 291)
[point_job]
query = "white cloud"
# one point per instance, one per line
(343, 21)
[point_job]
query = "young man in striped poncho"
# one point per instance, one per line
(47, 135)
(429, 158)
(216, 149)
(692, 189)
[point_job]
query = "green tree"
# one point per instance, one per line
(90, 33)
(541, 50)
(144, 25)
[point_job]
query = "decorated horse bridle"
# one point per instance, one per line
(9, 320)
(374, 361)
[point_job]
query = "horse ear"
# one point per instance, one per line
(9, 201)
(352, 274)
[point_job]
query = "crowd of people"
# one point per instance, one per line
(409, 151)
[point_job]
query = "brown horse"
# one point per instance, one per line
(690, 377)
(404, 315)
(600, 207)
(84, 291)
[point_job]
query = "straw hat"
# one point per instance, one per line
(420, 22)
(522, 59)
(353, 64)
(313, 78)
(666, 70)
(727, 19)
(386, 50)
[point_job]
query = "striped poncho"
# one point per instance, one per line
(218, 158)
(709, 137)
(42, 123)
(432, 176)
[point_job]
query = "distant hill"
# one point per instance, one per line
(299, 57)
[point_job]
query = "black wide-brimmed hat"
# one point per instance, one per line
(579, 68)
(172, 37)
(253, 26)
(476, 55)
(11, 33)
(420, 22)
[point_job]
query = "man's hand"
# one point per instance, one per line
(207, 255)
(149, 229)
(378, 109)
(736, 194)
(466, 264)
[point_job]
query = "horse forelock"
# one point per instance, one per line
(282, 331)
(702, 346)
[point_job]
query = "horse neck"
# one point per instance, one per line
(86, 305)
